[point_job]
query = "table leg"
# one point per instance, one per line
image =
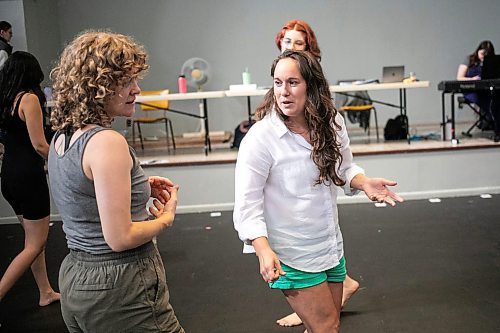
(402, 111)
(453, 116)
(249, 108)
(443, 116)
(208, 146)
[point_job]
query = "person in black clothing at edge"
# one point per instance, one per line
(5, 37)
(23, 179)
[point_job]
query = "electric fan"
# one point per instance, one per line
(196, 71)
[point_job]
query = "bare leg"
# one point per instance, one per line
(36, 232)
(318, 306)
(350, 287)
(39, 269)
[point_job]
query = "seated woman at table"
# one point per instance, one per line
(470, 69)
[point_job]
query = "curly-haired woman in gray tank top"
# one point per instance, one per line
(113, 279)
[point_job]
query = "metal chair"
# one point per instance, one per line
(154, 106)
(357, 106)
(363, 108)
(482, 122)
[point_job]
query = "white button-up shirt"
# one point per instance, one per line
(276, 196)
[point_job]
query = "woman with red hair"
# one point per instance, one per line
(297, 35)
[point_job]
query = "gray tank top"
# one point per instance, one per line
(74, 195)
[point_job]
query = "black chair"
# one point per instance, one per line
(483, 122)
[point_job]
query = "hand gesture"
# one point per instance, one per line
(166, 210)
(376, 190)
(160, 188)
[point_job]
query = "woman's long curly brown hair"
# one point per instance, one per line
(319, 113)
(89, 71)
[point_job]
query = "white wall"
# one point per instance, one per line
(42, 33)
(358, 38)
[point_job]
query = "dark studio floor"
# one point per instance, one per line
(423, 267)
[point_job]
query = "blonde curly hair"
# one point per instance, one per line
(88, 73)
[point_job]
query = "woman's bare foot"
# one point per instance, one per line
(290, 320)
(49, 298)
(350, 288)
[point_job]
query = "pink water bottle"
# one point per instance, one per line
(182, 84)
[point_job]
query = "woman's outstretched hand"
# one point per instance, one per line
(376, 189)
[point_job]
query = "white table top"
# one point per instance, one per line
(340, 88)
(243, 93)
(379, 86)
(262, 92)
(181, 97)
(172, 97)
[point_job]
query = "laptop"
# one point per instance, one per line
(393, 74)
(491, 67)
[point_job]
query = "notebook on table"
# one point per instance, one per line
(393, 74)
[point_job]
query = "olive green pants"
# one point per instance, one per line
(116, 292)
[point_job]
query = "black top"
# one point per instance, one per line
(4, 45)
(18, 145)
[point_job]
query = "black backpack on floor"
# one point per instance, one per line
(396, 129)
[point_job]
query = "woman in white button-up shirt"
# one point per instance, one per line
(289, 166)
(297, 35)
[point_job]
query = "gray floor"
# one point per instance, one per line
(423, 267)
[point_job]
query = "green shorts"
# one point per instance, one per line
(295, 279)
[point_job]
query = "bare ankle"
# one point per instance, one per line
(49, 298)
